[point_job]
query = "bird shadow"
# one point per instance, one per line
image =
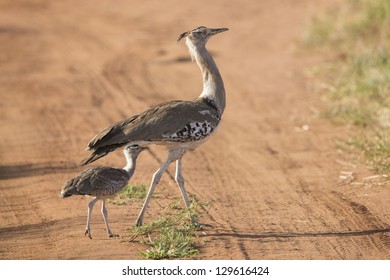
(28, 232)
(21, 231)
(29, 169)
(266, 235)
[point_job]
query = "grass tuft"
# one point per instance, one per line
(128, 193)
(173, 235)
(375, 148)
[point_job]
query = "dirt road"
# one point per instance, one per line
(70, 68)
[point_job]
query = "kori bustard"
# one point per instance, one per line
(178, 125)
(103, 182)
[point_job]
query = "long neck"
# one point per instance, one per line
(213, 87)
(130, 166)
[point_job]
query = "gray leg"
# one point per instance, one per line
(156, 178)
(180, 182)
(173, 155)
(105, 217)
(90, 207)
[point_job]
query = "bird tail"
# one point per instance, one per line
(99, 153)
(94, 156)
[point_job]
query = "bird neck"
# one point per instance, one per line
(130, 166)
(213, 87)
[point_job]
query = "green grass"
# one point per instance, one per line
(375, 148)
(360, 91)
(358, 79)
(355, 24)
(168, 237)
(172, 235)
(130, 192)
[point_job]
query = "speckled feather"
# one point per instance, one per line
(99, 181)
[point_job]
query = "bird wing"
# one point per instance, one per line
(170, 121)
(156, 124)
(106, 181)
(96, 181)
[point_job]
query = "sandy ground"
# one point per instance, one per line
(271, 173)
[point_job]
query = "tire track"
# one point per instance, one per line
(355, 220)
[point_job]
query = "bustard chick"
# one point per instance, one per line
(103, 182)
(178, 125)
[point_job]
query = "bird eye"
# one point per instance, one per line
(201, 32)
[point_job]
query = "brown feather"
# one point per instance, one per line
(153, 125)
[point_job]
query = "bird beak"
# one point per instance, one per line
(145, 148)
(215, 31)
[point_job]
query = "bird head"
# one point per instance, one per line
(200, 35)
(133, 150)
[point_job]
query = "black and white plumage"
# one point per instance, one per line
(178, 125)
(102, 182)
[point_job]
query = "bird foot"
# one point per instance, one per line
(88, 233)
(113, 235)
(200, 226)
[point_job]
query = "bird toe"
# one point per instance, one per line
(88, 233)
(113, 235)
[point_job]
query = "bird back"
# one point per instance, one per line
(96, 181)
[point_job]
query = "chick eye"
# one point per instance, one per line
(204, 32)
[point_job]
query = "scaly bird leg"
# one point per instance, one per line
(105, 217)
(90, 207)
(156, 178)
(180, 182)
(172, 156)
